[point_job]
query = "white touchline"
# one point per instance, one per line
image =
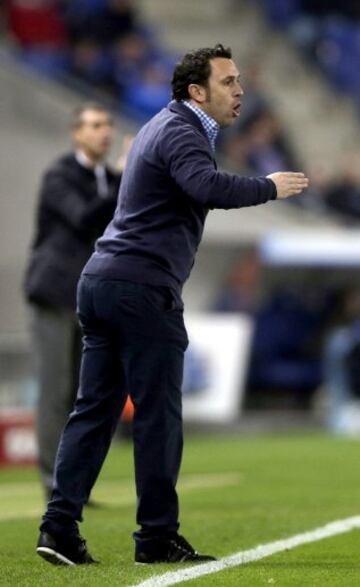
(254, 554)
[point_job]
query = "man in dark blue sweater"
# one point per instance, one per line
(131, 312)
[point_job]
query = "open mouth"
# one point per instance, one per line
(236, 110)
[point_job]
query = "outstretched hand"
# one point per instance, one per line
(288, 183)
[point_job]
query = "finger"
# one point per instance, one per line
(293, 173)
(294, 190)
(297, 180)
(299, 183)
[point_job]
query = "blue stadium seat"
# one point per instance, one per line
(281, 12)
(50, 62)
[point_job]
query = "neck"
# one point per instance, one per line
(88, 159)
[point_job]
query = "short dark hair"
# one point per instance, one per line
(76, 116)
(195, 68)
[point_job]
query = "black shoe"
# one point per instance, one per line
(64, 550)
(171, 548)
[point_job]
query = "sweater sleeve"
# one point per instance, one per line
(192, 168)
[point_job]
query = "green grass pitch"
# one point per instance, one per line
(235, 493)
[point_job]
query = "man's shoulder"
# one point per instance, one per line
(175, 121)
(175, 114)
(166, 132)
(63, 164)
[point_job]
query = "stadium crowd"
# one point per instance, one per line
(101, 42)
(327, 32)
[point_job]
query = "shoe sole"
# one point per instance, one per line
(53, 557)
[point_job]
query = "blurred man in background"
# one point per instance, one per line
(131, 311)
(77, 199)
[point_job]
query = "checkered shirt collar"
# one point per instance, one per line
(211, 127)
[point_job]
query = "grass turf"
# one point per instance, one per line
(235, 493)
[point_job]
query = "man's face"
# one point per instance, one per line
(94, 136)
(222, 96)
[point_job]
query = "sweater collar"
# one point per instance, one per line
(185, 112)
(210, 125)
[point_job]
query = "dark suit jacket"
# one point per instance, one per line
(70, 216)
(169, 185)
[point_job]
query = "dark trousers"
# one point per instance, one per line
(134, 340)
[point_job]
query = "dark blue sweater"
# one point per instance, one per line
(169, 185)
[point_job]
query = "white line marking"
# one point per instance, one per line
(254, 554)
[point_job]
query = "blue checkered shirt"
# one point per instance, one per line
(211, 127)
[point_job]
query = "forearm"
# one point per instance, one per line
(226, 191)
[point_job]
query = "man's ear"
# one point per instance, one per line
(197, 93)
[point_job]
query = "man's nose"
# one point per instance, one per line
(238, 90)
